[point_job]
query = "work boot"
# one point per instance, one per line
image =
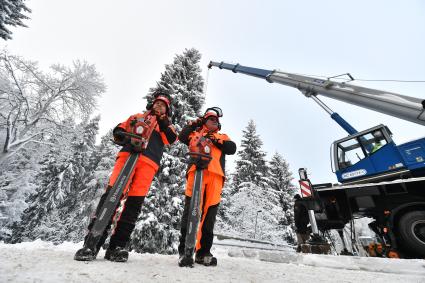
(346, 252)
(185, 261)
(118, 254)
(207, 259)
(85, 254)
(298, 250)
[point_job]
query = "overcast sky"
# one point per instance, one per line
(131, 41)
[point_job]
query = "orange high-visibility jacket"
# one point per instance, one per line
(153, 153)
(217, 164)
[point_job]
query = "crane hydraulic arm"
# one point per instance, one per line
(400, 106)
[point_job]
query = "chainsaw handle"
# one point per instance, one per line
(131, 135)
(197, 154)
(129, 138)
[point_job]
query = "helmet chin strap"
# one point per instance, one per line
(216, 128)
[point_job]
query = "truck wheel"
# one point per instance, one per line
(411, 228)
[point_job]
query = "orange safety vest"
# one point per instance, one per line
(216, 164)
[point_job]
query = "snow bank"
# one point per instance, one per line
(384, 265)
(44, 262)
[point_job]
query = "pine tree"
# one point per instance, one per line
(50, 192)
(222, 222)
(254, 204)
(63, 176)
(99, 168)
(84, 163)
(280, 182)
(11, 14)
(251, 164)
(157, 229)
(16, 184)
(183, 81)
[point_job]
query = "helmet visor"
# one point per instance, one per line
(214, 111)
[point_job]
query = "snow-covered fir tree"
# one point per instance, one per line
(280, 181)
(63, 176)
(99, 168)
(251, 164)
(157, 229)
(51, 187)
(183, 81)
(222, 221)
(85, 161)
(11, 14)
(254, 212)
(16, 184)
(251, 200)
(254, 203)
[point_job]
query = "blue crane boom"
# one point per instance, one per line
(400, 106)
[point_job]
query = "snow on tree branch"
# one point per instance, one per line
(36, 104)
(11, 14)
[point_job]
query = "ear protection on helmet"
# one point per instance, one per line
(213, 111)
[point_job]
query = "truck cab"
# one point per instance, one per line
(370, 153)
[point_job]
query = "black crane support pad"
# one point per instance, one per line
(110, 205)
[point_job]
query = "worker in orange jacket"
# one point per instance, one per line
(163, 133)
(212, 184)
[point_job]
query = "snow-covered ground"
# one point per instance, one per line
(43, 262)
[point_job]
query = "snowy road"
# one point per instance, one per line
(42, 262)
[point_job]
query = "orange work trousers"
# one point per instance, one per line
(141, 178)
(211, 188)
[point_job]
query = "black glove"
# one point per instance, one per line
(136, 144)
(120, 138)
(196, 123)
(163, 123)
(218, 143)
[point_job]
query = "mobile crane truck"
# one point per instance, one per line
(377, 178)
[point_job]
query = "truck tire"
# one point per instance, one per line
(411, 228)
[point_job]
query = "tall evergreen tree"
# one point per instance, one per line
(84, 164)
(257, 205)
(52, 185)
(280, 182)
(63, 176)
(184, 82)
(251, 164)
(99, 167)
(17, 182)
(158, 226)
(254, 212)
